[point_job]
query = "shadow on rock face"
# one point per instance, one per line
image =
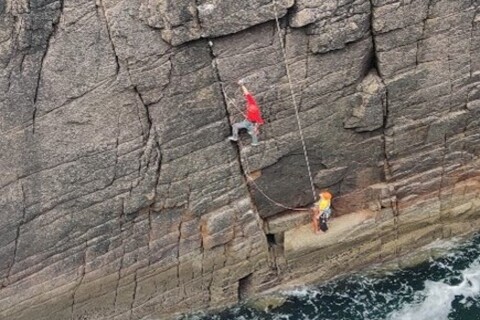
(287, 182)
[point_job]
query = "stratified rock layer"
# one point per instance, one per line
(120, 197)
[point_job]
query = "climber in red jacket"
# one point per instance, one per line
(253, 119)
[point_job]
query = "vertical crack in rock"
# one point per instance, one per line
(210, 283)
(227, 112)
(243, 170)
(442, 177)
(205, 273)
(388, 173)
(464, 150)
(115, 164)
(51, 36)
(134, 295)
(374, 55)
(127, 231)
(148, 132)
(178, 249)
(21, 65)
(198, 21)
(103, 16)
(422, 36)
(151, 134)
(229, 117)
(147, 111)
(304, 83)
(150, 229)
(274, 256)
(80, 281)
(121, 222)
(117, 286)
(449, 62)
(471, 49)
(387, 168)
(17, 235)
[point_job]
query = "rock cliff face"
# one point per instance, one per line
(120, 197)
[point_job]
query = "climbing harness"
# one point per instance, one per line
(297, 115)
(250, 179)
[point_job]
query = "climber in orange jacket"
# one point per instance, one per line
(253, 119)
(322, 212)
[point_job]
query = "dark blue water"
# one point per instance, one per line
(444, 288)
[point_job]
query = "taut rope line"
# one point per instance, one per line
(284, 51)
(247, 167)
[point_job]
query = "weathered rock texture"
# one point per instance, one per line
(120, 197)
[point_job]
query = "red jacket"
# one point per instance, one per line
(253, 111)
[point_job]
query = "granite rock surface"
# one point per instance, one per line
(121, 198)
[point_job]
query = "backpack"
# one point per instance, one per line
(323, 223)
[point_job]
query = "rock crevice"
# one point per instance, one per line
(121, 196)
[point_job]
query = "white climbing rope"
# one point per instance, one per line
(292, 93)
(232, 102)
(250, 179)
(302, 138)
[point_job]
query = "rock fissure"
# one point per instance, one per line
(17, 235)
(115, 164)
(121, 221)
(209, 289)
(198, 21)
(69, 100)
(134, 295)
(392, 193)
(80, 281)
(150, 230)
(155, 145)
(21, 70)
(442, 177)
(374, 61)
(147, 111)
(201, 231)
(50, 37)
(177, 253)
(101, 8)
(229, 119)
(244, 286)
(386, 128)
(146, 142)
(305, 78)
(471, 51)
(274, 259)
(412, 151)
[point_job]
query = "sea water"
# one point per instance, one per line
(447, 287)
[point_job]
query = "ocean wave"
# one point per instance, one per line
(445, 287)
(435, 301)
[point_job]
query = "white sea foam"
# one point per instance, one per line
(435, 301)
(301, 292)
